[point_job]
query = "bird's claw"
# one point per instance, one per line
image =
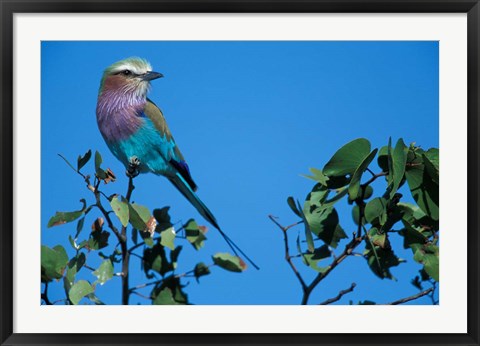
(133, 165)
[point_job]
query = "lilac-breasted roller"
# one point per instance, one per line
(137, 133)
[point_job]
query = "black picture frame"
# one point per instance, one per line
(9, 8)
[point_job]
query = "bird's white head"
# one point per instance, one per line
(130, 76)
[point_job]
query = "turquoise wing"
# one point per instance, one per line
(168, 148)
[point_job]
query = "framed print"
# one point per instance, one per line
(239, 172)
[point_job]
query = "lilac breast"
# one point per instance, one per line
(118, 115)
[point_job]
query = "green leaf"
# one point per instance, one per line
(72, 242)
(337, 182)
(324, 223)
(229, 262)
(155, 259)
(356, 214)
(82, 160)
(330, 202)
(422, 186)
(293, 206)
(411, 236)
(317, 176)
(135, 236)
(74, 266)
(174, 294)
(381, 260)
(62, 217)
(201, 269)
(390, 161)
(321, 252)
(79, 290)
(433, 156)
(165, 297)
(368, 192)
(163, 219)
(376, 211)
(308, 231)
(94, 299)
(79, 226)
(312, 260)
(377, 238)
(428, 255)
(195, 234)
(317, 196)
(147, 238)
(382, 158)
(120, 207)
(346, 160)
(53, 262)
(431, 266)
(139, 216)
(98, 169)
(417, 217)
(167, 238)
(104, 272)
(431, 169)
(397, 172)
(98, 240)
(174, 256)
(354, 189)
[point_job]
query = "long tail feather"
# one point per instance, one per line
(192, 197)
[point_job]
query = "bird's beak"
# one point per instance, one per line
(150, 75)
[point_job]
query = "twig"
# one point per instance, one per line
(288, 258)
(432, 294)
(141, 295)
(375, 177)
(140, 244)
(136, 255)
(339, 295)
(347, 252)
(44, 295)
(178, 276)
(370, 171)
(88, 267)
(107, 218)
(60, 300)
(408, 299)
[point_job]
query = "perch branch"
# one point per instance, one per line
(125, 253)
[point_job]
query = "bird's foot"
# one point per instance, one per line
(133, 164)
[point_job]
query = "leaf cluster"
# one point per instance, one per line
(349, 175)
(139, 232)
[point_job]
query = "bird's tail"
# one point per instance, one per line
(192, 197)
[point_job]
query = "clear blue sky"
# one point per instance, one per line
(249, 117)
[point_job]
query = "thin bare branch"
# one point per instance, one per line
(339, 295)
(141, 295)
(44, 295)
(140, 244)
(339, 259)
(408, 299)
(288, 258)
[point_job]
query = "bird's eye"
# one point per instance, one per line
(127, 72)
